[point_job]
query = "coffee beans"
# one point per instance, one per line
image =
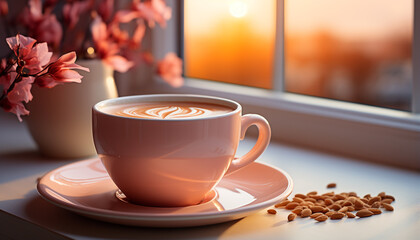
(315, 215)
(321, 218)
(337, 215)
(388, 207)
(291, 217)
(305, 213)
(292, 205)
(364, 213)
(335, 206)
(271, 211)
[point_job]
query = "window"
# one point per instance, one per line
(372, 133)
(357, 51)
(230, 41)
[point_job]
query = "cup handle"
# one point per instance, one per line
(264, 135)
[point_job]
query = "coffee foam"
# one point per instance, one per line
(168, 110)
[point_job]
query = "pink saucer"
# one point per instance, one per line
(84, 187)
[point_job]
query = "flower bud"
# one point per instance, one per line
(19, 69)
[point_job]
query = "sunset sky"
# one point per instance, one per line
(234, 40)
(349, 18)
(231, 40)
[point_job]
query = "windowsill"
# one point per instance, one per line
(25, 215)
(304, 104)
(365, 132)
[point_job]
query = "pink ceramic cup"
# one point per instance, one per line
(173, 162)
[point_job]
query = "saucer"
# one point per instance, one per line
(84, 187)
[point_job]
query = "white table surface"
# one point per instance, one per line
(25, 215)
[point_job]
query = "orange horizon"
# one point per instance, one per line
(234, 49)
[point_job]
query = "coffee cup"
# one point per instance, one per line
(171, 150)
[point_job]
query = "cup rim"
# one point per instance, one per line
(167, 97)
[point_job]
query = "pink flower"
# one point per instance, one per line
(20, 93)
(170, 69)
(61, 71)
(43, 27)
(49, 30)
(4, 8)
(73, 10)
(24, 44)
(35, 9)
(153, 11)
(138, 35)
(35, 57)
(125, 16)
(32, 14)
(123, 37)
(106, 47)
(105, 9)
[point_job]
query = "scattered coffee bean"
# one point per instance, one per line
(315, 215)
(387, 200)
(364, 213)
(291, 217)
(321, 218)
(337, 215)
(282, 204)
(292, 205)
(306, 213)
(312, 193)
(375, 211)
(389, 197)
(316, 209)
(329, 213)
(271, 211)
(388, 207)
(334, 206)
(374, 199)
(376, 205)
(302, 196)
(343, 210)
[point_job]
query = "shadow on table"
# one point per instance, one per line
(73, 225)
(20, 164)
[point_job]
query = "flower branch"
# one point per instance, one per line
(85, 28)
(31, 64)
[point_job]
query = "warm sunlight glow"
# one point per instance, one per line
(350, 50)
(230, 40)
(90, 50)
(238, 9)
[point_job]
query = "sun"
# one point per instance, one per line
(238, 8)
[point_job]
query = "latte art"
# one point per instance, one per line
(168, 110)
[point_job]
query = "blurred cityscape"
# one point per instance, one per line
(376, 72)
(357, 51)
(350, 50)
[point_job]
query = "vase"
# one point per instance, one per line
(60, 118)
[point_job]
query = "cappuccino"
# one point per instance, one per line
(168, 110)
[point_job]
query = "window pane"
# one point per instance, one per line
(351, 50)
(230, 40)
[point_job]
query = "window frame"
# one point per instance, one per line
(365, 132)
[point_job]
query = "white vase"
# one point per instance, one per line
(60, 118)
